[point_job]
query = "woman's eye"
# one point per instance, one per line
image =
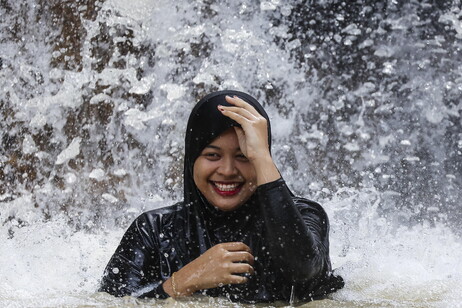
(211, 155)
(242, 157)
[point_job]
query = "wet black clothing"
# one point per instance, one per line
(288, 236)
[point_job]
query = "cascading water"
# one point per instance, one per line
(364, 98)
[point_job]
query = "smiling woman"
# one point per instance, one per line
(223, 174)
(239, 232)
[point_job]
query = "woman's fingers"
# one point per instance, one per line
(240, 135)
(238, 253)
(242, 268)
(239, 102)
(253, 135)
(241, 256)
(225, 263)
(235, 246)
(236, 279)
(244, 118)
(243, 113)
(236, 273)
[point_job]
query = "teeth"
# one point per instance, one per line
(227, 187)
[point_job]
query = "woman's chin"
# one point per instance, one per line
(227, 203)
(226, 206)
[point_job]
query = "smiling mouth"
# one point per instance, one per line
(227, 189)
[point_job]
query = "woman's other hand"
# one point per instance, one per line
(253, 137)
(218, 266)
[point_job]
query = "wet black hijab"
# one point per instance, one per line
(204, 125)
(213, 225)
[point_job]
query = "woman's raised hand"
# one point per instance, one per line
(253, 137)
(218, 266)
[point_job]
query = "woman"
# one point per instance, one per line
(239, 232)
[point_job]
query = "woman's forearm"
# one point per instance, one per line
(296, 248)
(266, 170)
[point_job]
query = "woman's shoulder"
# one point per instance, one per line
(304, 205)
(158, 215)
(304, 202)
(165, 210)
(309, 207)
(155, 224)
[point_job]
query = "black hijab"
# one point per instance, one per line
(211, 226)
(204, 125)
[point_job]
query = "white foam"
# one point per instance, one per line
(70, 152)
(46, 264)
(384, 264)
(28, 145)
(97, 174)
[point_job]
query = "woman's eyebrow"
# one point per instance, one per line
(213, 147)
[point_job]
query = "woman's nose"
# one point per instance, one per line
(228, 167)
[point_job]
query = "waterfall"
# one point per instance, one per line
(365, 103)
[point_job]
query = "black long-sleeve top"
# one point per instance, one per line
(288, 237)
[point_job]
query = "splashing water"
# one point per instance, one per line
(364, 99)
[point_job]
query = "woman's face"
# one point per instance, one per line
(223, 174)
